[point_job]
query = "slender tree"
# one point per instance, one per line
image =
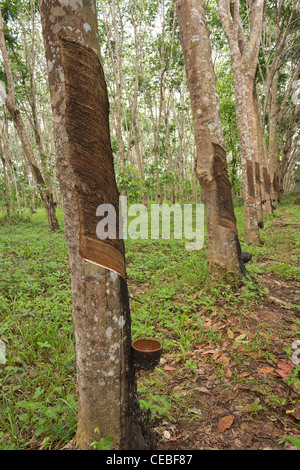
(279, 70)
(10, 102)
(6, 174)
(224, 253)
(244, 57)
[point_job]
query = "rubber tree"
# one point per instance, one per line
(105, 376)
(11, 104)
(244, 58)
(224, 252)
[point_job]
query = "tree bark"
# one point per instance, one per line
(105, 375)
(224, 253)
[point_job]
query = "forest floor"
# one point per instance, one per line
(237, 387)
(227, 379)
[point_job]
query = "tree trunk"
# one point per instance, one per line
(273, 116)
(260, 162)
(105, 374)
(244, 57)
(169, 150)
(224, 253)
(138, 151)
(264, 202)
(246, 123)
(6, 154)
(46, 196)
(7, 189)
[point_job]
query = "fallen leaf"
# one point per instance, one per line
(295, 413)
(222, 359)
(265, 370)
(284, 368)
(240, 337)
(245, 374)
(202, 389)
(228, 372)
(169, 368)
(225, 423)
(210, 351)
(230, 334)
(195, 411)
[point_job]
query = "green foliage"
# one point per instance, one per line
(157, 405)
(128, 181)
(294, 440)
(37, 382)
(105, 443)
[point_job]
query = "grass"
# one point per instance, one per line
(37, 384)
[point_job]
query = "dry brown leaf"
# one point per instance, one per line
(169, 368)
(266, 335)
(210, 351)
(202, 389)
(284, 368)
(169, 356)
(225, 423)
(265, 370)
(245, 374)
(230, 334)
(222, 359)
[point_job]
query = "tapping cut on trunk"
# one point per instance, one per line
(257, 173)
(87, 110)
(226, 216)
(267, 181)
